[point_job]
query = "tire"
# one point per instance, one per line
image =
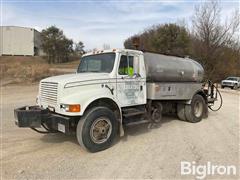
(181, 112)
(98, 116)
(235, 86)
(223, 87)
(195, 111)
(157, 113)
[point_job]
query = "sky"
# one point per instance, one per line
(101, 22)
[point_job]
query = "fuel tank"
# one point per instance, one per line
(163, 68)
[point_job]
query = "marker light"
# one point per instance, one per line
(74, 108)
(71, 107)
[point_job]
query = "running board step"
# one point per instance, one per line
(133, 114)
(137, 122)
(128, 112)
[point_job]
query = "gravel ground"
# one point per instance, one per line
(141, 153)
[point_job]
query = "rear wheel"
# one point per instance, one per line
(195, 111)
(97, 129)
(181, 112)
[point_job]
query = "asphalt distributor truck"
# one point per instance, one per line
(113, 88)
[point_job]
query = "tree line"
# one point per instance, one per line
(212, 43)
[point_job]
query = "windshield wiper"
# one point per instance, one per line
(88, 71)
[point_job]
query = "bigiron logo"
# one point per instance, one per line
(208, 169)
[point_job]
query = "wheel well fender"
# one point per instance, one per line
(201, 93)
(109, 103)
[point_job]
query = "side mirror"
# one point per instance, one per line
(136, 75)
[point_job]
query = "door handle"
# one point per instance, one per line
(141, 87)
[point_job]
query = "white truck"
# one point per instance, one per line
(103, 96)
(232, 82)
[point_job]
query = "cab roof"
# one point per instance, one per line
(112, 50)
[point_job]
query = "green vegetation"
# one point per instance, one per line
(166, 39)
(58, 47)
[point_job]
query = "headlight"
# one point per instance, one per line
(71, 107)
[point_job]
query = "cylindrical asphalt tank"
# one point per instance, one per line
(163, 68)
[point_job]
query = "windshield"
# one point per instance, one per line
(232, 78)
(97, 63)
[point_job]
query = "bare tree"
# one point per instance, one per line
(211, 36)
(79, 48)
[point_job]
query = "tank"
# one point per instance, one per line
(163, 68)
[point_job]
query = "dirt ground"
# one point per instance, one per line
(141, 153)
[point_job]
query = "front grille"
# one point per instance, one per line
(48, 91)
(227, 83)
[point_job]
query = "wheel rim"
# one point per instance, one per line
(101, 130)
(198, 109)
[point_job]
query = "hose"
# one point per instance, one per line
(44, 132)
(39, 131)
(49, 130)
(217, 92)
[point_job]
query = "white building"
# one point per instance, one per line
(16, 40)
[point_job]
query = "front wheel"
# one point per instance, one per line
(235, 86)
(97, 129)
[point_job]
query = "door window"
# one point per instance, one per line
(126, 65)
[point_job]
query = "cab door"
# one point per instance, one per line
(131, 85)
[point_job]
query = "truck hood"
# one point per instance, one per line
(77, 77)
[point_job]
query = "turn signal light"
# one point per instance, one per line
(74, 108)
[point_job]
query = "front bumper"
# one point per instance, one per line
(35, 116)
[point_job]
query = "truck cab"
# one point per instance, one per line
(110, 89)
(99, 76)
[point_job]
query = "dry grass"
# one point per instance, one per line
(69, 65)
(29, 69)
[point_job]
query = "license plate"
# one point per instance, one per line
(61, 127)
